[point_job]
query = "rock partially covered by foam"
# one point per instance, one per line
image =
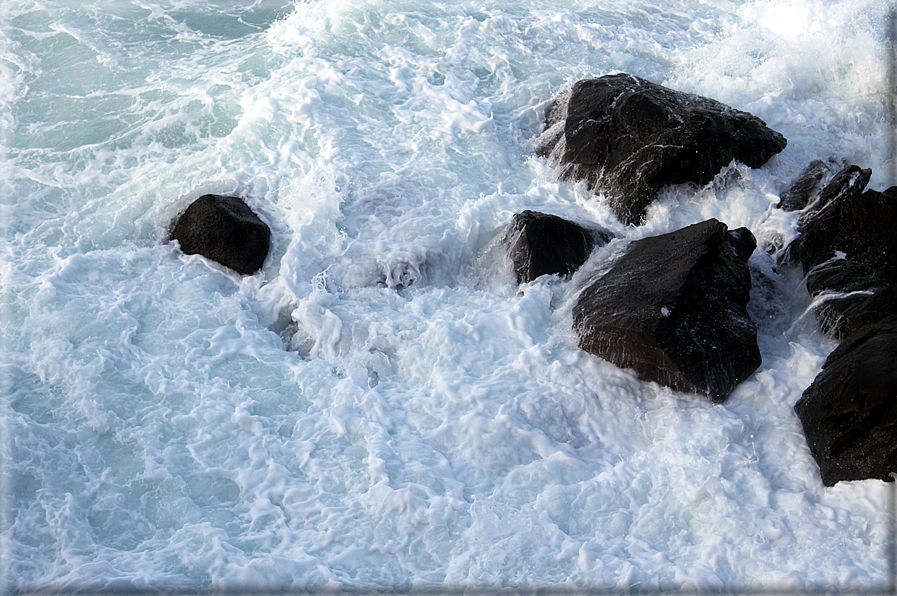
(543, 244)
(674, 309)
(628, 137)
(849, 413)
(225, 230)
(848, 249)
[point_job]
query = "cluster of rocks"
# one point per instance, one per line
(673, 308)
(848, 251)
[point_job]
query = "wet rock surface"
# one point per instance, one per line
(540, 244)
(628, 137)
(674, 309)
(848, 250)
(225, 230)
(807, 187)
(849, 413)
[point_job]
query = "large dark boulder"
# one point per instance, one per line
(674, 309)
(848, 249)
(849, 413)
(225, 230)
(540, 244)
(628, 137)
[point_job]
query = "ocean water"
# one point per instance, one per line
(381, 407)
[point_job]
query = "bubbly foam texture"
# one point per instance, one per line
(381, 406)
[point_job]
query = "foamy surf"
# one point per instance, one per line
(381, 406)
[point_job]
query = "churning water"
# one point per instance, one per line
(381, 406)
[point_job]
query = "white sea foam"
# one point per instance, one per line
(381, 406)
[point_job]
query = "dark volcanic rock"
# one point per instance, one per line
(848, 249)
(628, 137)
(850, 296)
(540, 244)
(849, 413)
(820, 221)
(808, 186)
(225, 230)
(674, 308)
(843, 315)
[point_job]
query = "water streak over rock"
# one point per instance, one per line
(807, 187)
(848, 249)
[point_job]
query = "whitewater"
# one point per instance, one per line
(382, 407)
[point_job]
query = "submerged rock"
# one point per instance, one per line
(225, 230)
(674, 309)
(849, 413)
(540, 244)
(848, 249)
(628, 137)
